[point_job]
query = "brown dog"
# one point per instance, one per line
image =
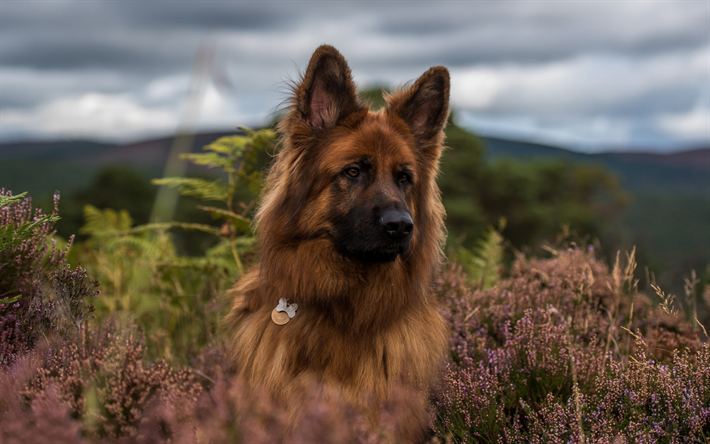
(351, 229)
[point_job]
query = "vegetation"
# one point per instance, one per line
(567, 350)
(554, 346)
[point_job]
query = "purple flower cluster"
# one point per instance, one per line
(549, 355)
(22, 275)
(103, 391)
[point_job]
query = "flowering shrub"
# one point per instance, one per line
(29, 301)
(102, 391)
(564, 349)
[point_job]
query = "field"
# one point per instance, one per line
(116, 338)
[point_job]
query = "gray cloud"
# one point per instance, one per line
(146, 34)
(564, 64)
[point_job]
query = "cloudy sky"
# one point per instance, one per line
(590, 75)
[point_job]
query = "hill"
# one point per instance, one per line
(40, 167)
(681, 172)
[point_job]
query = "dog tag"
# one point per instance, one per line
(283, 312)
(279, 317)
(289, 309)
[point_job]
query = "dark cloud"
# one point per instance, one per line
(155, 15)
(46, 51)
(153, 34)
(531, 33)
(154, 37)
(548, 59)
(212, 16)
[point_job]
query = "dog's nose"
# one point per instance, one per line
(397, 223)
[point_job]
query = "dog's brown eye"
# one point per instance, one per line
(403, 178)
(353, 172)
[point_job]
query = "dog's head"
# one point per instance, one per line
(362, 179)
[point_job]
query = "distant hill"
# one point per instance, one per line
(685, 172)
(51, 151)
(40, 167)
(153, 152)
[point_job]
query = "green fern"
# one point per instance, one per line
(202, 189)
(237, 156)
(482, 264)
(146, 281)
(141, 273)
(102, 222)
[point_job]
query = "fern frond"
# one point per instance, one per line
(129, 243)
(100, 222)
(230, 145)
(236, 219)
(195, 187)
(261, 139)
(11, 236)
(8, 200)
(211, 160)
(167, 225)
(482, 264)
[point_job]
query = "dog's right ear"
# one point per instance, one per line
(327, 94)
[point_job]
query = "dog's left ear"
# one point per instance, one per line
(424, 106)
(327, 94)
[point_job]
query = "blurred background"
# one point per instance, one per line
(591, 118)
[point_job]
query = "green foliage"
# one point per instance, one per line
(204, 189)
(117, 187)
(123, 188)
(672, 234)
(536, 198)
(12, 235)
(483, 263)
(238, 157)
(145, 280)
(39, 292)
(374, 96)
(11, 300)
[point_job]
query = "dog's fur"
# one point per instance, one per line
(367, 320)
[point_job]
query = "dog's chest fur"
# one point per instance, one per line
(363, 364)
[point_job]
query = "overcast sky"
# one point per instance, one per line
(590, 75)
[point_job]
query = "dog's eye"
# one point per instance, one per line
(403, 178)
(352, 172)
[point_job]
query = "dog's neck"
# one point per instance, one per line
(352, 294)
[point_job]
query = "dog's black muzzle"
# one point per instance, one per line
(379, 236)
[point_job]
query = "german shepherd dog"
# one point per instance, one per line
(350, 229)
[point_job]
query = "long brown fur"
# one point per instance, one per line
(361, 327)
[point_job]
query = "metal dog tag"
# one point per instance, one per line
(279, 318)
(283, 312)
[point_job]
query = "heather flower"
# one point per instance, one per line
(22, 268)
(551, 354)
